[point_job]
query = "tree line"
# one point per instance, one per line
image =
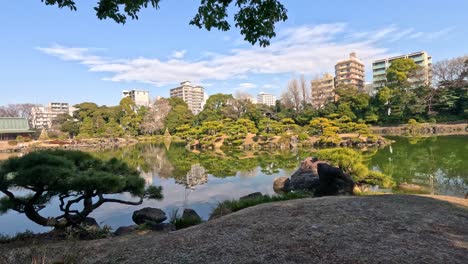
(235, 116)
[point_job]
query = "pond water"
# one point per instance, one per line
(202, 180)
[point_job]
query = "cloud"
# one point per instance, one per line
(308, 49)
(245, 86)
(179, 54)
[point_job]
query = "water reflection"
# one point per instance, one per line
(202, 180)
(438, 163)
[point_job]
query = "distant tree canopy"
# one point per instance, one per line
(256, 19)
(79, 180)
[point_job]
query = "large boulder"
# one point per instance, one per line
(333, 181)
(318, 177)
(148, 214)
(190, 215)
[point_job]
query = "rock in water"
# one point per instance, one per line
(251, 196)
(318, 177)
(190, 215)
(149, 214)
(333, 181)
(280, 183)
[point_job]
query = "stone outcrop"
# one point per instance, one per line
(251, 196)
(318, 177)
(191, 215)
(149, 215)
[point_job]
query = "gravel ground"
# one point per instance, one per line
(363, 229)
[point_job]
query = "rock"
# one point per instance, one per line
(251, 196)
(125, 230)
(89, 221)
(191, 215)
(309, 164)
(166, 227)
(333, 181)
(327, 180)
(302, 180)
(149, 214)
(293, 142)
(279, 183)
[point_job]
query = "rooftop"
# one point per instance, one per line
(14, 125)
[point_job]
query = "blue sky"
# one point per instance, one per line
(49, 54)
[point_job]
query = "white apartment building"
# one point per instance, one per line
(43, 116)
(194, 96)
(350, 72)
(322, 90)
(421, 58)
(266, 99)
(141, 98)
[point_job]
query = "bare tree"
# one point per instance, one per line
(154, 120)
(18, 110)
(242, 95)
(293, 97)
(452, 71)
(305, 94)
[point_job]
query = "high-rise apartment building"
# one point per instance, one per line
(350, 72)
(194, 96)
(423, 77)
(322, 90)
(43, 116)
(266, 99)
(141, 98)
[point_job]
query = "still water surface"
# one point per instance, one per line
(202, 180)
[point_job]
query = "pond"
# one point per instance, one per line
(202, 180)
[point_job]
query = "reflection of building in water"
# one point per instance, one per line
(148, 176)
(196, 176)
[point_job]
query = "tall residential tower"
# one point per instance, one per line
(350, 72)
(322, 90)
(194, 96)
(421, 58)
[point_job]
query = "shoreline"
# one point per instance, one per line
(330, 229)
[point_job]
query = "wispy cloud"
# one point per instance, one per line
(245, 86)
(299, 50)
(179, 54)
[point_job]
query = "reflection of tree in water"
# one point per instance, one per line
(439, 163)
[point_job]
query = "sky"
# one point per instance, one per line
(51, 54)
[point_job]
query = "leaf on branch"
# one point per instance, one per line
(153, 192)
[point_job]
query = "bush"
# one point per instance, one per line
(228, 207)
(12, 142)
(18, 237)
(303, 136)
(351, 162)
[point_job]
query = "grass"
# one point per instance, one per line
(19, 236)
(180, 222)
(231, 206)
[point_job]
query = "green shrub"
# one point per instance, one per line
(303, 136)
(12, 142)
(352, 162)
(19, 236)
(180, 222)
(231, 206)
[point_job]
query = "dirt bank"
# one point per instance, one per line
(367, 229)
(423, 129)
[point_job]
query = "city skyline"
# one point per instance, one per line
(85, 59)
